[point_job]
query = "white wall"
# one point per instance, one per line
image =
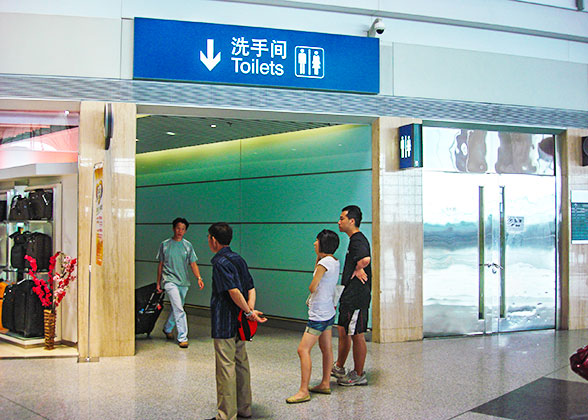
(432, 72)
(59, 45)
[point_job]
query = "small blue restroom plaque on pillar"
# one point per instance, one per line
(411, 146)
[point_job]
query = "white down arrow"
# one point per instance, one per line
(209, 60)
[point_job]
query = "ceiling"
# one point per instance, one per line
(162, 132)
(153, 131)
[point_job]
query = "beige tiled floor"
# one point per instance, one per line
(432, 379)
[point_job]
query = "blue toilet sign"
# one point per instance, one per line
(309, 62)
(411, 146)
(205, 52)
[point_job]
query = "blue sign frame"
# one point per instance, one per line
(410, 145)
(228, 54)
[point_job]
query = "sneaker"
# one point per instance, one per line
(168, 335)
(183, 344)
(352, 378)
(338, 372)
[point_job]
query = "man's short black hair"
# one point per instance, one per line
(328, 241)
(353, 212)
(222, 232)
(180, 220)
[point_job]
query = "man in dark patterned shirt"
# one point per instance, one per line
(232, 290)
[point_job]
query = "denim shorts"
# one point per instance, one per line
(318, 327)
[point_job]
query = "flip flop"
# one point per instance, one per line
(293, 400)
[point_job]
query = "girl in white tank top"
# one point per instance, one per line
(321, 314)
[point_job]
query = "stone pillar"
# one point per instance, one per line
(111, 311)
(397, 238)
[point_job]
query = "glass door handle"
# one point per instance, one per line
(495, 267)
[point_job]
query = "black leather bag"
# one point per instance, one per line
(19, 208)
(40, 247)
(18, 250)
(8, 308)
(41, 204)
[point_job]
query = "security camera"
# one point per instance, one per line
(377, 28)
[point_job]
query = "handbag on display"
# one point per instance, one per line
(247, 328)
(579, 362)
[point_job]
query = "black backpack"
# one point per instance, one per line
(41, 204)
(40, 247)
(19, 208)
(18, 250)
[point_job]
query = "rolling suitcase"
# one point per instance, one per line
(148, 306)
(28, 310)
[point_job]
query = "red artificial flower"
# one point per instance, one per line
(41, 288)
(32, 262)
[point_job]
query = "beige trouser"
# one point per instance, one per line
(233, 380)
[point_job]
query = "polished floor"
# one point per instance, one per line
(510, 376)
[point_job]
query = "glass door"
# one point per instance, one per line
(489, 253)
(451, 254)
(528, 243)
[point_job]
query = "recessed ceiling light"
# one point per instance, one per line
(171, 133)
(212, 125)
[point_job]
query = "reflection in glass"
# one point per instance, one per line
(479, 151)
(37, 137)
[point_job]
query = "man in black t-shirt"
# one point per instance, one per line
(355, 300)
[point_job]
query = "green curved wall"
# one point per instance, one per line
(277, 192)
